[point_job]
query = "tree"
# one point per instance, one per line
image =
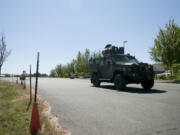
(96, 54)
(87, 57)
(58, 70)
(79, 62)
(166, 47)
(78, 66)
(73, 65)
(53, 73)
(3, 52)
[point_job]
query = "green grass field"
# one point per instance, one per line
(14, 119)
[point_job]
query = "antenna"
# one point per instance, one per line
(124, 44)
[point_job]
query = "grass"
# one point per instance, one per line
(178, 77)
(14, 119)
(164, 77)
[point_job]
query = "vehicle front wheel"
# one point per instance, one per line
(148, 84)
(119, 82)
(95, 80)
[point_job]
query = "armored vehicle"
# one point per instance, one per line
(121, 69)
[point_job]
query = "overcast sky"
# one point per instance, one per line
(58, 29)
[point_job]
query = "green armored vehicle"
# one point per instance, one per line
(120, 69)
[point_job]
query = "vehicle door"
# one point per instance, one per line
(101, 67)
(107, 70)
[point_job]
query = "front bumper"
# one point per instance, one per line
(139, 76)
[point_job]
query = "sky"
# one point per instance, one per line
(58, 29)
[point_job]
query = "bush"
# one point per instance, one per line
(164, 77)
(177, 76)
(75, 75)
(176, 71)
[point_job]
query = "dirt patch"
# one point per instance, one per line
(53, 120)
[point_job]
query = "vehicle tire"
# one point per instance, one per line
(95, 80)
(119, 82)
(148, 84)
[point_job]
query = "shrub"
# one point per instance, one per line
(176, 71)
(164, 77)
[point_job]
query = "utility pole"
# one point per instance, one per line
(30, 90)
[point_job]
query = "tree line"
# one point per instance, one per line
(77, 67)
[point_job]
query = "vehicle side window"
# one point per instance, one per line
(108, 61)
(101, 62)
(121, 59)
(91, 62)
(97, 61)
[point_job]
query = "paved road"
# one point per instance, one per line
(86, 110)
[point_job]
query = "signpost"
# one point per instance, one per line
(35, 122)
(37, 73)
(30, 90)
(23, 77)
(17, 80)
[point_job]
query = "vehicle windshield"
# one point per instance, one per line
(129, 59)
(133, 60)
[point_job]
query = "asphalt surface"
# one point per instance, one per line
(86, 110)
